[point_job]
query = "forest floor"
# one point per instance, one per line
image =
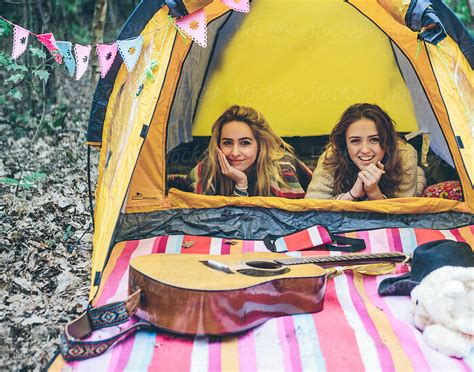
(45, 234)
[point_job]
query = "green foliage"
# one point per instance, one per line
(461, 9)
(5, 28)
(57, 119)
(15, 67)
(15, 94)
(42, 75)
(60, 115)
(15, 78)
(23, 80)
(68, 233)
(26, 182)
(36, 52)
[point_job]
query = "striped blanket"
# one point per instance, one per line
(357, 330)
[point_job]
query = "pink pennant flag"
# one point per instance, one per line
(82, 59)
(49, 42)
(194, 25)
(106, 54)
(238, 5)
(20, 41)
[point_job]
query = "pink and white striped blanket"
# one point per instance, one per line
(357, 330)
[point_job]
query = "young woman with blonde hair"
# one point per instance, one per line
(366, 160)
(246, 158)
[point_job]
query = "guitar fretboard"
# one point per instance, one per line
(348, 259)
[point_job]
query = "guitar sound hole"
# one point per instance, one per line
(264, 265)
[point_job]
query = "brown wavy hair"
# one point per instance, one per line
(271, 149)
(337, 156)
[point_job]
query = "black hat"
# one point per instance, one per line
(427, 258)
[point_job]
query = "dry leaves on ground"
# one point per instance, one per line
(45, 277)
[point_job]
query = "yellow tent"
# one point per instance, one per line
(301, 63)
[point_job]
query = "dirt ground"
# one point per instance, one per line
(45, 235)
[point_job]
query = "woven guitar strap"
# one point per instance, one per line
(73, 348)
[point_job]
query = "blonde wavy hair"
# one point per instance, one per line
(271, 149)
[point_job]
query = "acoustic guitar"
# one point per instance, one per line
(219, 295)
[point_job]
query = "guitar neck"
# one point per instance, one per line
(347, 259)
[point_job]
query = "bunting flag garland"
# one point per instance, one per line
(194, 25)
(82, 59)
(65, 48)
(20, 41)
(106, 54)
(238, 5)
(49, 42)
(130, 51)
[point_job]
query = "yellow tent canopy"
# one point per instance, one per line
(301, 64)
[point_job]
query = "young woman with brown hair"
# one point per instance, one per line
(246, 158)
(365, 159)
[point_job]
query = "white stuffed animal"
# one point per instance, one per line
(443, 308)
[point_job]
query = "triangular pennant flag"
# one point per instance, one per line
(130, 51)
(65, 48)
(20, 41)
(49, 42)
(238, 5)
(194, 25)
(82, 59)
(106, 54)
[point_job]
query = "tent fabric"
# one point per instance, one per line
(189, 86)
(244, 222)
(300, 84)
(419, 15)
(357, 330)
(126, 114)
(146, 9)
(454, 74)
(133, 26)
(455, 29)
(425, 116)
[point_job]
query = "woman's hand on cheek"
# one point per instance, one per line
(228, 170)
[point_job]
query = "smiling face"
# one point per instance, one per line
(363, 143)
(238, 144)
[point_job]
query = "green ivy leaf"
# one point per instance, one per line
(26, 182)
(42, 74)
(68, 233)
(59, 122)
(5, 60)
(5, 28)
(15, 94)
(36, 52)
(15, 78)
(35, 176)
(15, 67)
(8, 181)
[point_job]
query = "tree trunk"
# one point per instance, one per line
(470, 5)
(51, 86)
(98, 25)
(29, 89)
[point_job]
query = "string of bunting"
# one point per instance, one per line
(75, 58)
